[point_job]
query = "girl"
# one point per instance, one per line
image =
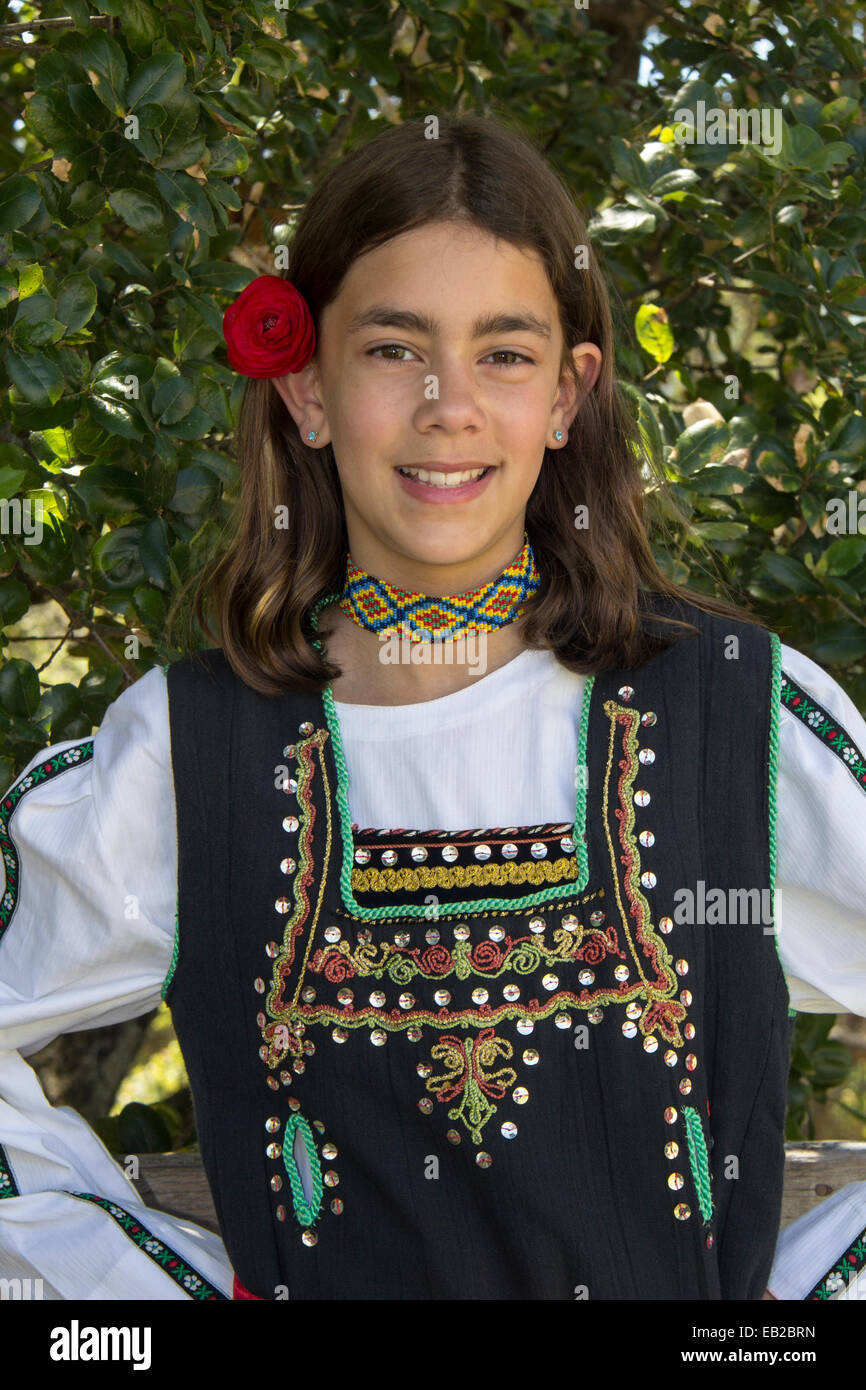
(530, 1040)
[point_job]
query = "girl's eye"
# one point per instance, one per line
(508, 352)
(498, 352)
(389, 347)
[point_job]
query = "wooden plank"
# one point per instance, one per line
(176, 1183)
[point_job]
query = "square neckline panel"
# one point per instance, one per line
(512, 841)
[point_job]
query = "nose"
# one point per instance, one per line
(452, 398)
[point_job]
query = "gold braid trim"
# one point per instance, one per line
(461, 876)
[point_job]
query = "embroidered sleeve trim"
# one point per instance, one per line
(185, 1276)
(846, 1268)
(45, 771)
(8, 1185)
(825, 728)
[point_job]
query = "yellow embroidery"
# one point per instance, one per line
(467, 1064)
(462, 875)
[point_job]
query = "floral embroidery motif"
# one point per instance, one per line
(846, 1267)
(183, 1274)
(522, 955)
(43, 772)
(831, 733)
(467, 1073)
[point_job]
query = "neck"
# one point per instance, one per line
(367, 679)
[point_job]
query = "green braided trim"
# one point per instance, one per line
(305, 1211)
(699, 1160)
(166, 984)
(775, 717)
(544, 895)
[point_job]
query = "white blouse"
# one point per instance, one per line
(90, 864)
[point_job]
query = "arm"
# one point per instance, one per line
(86, 935)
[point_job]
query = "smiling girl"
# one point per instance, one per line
(531, 1038)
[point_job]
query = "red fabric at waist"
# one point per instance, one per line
(238, 1291)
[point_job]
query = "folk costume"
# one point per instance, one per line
(518, 1055)
(451, 1063)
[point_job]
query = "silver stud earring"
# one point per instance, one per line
(313, 436)
(557, 434)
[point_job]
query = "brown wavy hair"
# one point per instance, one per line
(589, 608)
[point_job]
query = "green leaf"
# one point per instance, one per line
(14, 601)
(76, 301)
(19, 199)
(721, 530)
(196, 488)
(139, 211)
(203, 27)
(840, 111)
(107, 488)
(842, 555)
(838, 643)
(156, 79)
(104, 61)
(173, 399)
(701, 444)
(619, 222)
(228, 156)
(19, 688)
(790, 572)
(628, 164)
(39, 380)
(142, 1130)
(142, 25)
(11, 480)
(154, 552)
(184, 197)
(653, 331)
(116, 558)
(837, 152)
(114, 417)
(29, 280)
(673, 182)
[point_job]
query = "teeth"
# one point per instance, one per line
(442, 479)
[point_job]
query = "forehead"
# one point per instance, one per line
(448, 268)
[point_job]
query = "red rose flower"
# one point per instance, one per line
(269, 329)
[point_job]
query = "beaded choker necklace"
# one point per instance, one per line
(380, 607)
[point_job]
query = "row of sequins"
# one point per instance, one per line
(676, 1180)
(273, 1124)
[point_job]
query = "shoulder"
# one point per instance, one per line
(210, 666)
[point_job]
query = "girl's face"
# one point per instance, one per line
(442, 348)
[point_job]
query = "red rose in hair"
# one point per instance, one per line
(269, 329)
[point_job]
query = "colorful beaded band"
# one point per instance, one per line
(379, 607)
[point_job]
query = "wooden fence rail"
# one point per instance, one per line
(175, 1183)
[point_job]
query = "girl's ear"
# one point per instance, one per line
(570, 397)
(300, 394)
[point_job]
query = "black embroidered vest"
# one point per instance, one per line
(525, 1062)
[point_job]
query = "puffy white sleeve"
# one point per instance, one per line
(87, 923)
(821, 841)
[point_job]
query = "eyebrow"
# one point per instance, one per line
(384, 316)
